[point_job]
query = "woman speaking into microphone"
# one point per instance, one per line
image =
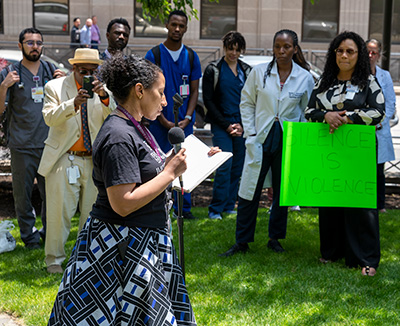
(124, 268)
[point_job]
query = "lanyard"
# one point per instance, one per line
(36, 79)
(143, 131)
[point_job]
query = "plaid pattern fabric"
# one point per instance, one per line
(122, 276)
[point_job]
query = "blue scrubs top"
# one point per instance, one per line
(173, 72)
(230, 88)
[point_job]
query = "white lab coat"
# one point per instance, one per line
(260, 105)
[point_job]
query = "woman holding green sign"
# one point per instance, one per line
(348, 93)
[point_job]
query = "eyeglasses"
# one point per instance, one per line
(87, 71)
(32, 43)
(373, 53)
(349, 52)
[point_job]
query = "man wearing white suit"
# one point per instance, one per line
(74, 120)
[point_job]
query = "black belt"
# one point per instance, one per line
(79, 153)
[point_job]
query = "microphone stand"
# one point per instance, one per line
(178, 101)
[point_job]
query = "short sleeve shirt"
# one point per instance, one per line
(25, 123)
(174, 73)
(121, 155)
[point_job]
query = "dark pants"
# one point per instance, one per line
(95, 45)
(187, 201)
(24, 165)
(350, 233)
(226, 180)
(247, 209)
(381, 185)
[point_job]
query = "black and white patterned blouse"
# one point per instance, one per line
(364, 106)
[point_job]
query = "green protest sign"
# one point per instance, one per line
(330, 170)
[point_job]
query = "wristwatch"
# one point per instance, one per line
(189, 117)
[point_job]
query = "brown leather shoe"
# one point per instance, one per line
(55, 269)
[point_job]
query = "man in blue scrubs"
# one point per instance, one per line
(182, 71)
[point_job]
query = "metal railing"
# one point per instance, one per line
(61, 52)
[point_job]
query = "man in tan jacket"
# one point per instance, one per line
(74, 120)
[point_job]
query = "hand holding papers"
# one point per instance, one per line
(199, 164)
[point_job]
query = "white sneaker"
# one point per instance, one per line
(295, 208)
(214, 216)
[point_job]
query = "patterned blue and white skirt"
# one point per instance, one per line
(122, 276)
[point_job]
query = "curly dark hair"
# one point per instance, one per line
(234, 38)
(121, 73)
(121, 21)
(362, 69)
(177, 13)
(297, 57)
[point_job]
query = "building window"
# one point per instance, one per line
(217, 19)
(51, 17)
(376, 20)
(148, 28)
(320, 20)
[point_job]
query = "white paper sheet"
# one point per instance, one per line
(199, 164)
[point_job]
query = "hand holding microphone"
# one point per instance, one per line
(176, 137)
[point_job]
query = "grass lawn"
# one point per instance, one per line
(257, 288)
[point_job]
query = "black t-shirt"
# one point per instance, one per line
(121, 155)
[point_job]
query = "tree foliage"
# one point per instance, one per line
(162, 8)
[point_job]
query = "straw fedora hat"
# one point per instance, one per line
(86, 56)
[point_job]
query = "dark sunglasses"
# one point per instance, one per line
(87, 71)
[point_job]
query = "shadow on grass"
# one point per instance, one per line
(257, 288)
(28, 267)
(262, 287)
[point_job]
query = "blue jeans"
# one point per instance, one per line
(226, 180)
(187, 201)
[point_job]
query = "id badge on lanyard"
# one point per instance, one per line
(184, 88)
(351, 90)
(37, 92)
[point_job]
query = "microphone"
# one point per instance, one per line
(178, 102)
(176, 137)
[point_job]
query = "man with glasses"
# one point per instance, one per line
(74, 118)
(22, 85)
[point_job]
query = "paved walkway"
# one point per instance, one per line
(7, 320)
